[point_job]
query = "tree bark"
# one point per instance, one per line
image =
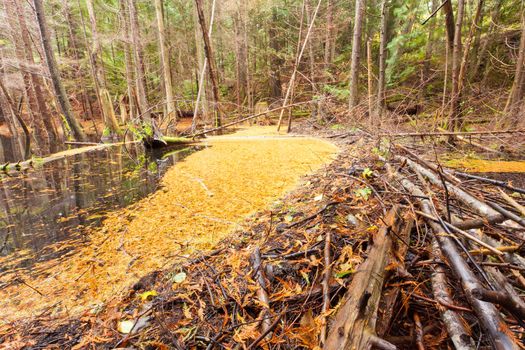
(140, 76)
(474, 28)
(449, 23)
(124, 19)
(512, 107)
(356, 54)
(242, 52)
(455, 99)
(211, 62)
(275, 60)
(62, 97)
(329, 34)
(165, 60)
(477, 72)
(381, 81)
(108, 112)
(24, 55)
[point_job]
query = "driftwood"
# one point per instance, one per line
(355, 321)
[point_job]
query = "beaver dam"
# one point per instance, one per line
(200, 199)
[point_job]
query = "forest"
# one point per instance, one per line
(262, 174)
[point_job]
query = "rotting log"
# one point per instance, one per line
(488, 315)
(355, 321)
(390, 294)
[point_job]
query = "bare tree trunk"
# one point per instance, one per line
(370, 79)
(477, 72)
(140, 76)
(516, 92)
(381, 85)
(211, 62)
(108, 112)
(25, 58)
(455, 99)
(55, 74)
(75, 52)
(242, 52)
(165, 59)
(428, 52)
(449, 22)
(311, 57)
(124, 19)
(275, 61)
(329, 33)
(356, 54)
(473, 29)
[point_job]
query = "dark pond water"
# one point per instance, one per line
(58, 200)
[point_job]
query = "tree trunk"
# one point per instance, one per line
(165, 60)
(242, 53)
(124, 19)
(473, 29)
(381, 85)
(24, 56)
(329, 33)
(512, 107)
(275, 60)
(428, 52)
(455, 99)
(140, 76)
(477, 72)
(449, 22)
(211, 62)
(60, 91)
(311, 56)
(356, 54)
(74, 52)
(108, 112)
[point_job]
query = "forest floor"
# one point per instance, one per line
(279, 281)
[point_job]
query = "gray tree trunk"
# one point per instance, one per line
(62, 97)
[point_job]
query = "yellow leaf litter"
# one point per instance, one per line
(487, 166)
(201, 200)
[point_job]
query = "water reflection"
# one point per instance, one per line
(60, 199)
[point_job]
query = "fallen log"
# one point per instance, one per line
(35, 162)
(488, 315)
(355, 321)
